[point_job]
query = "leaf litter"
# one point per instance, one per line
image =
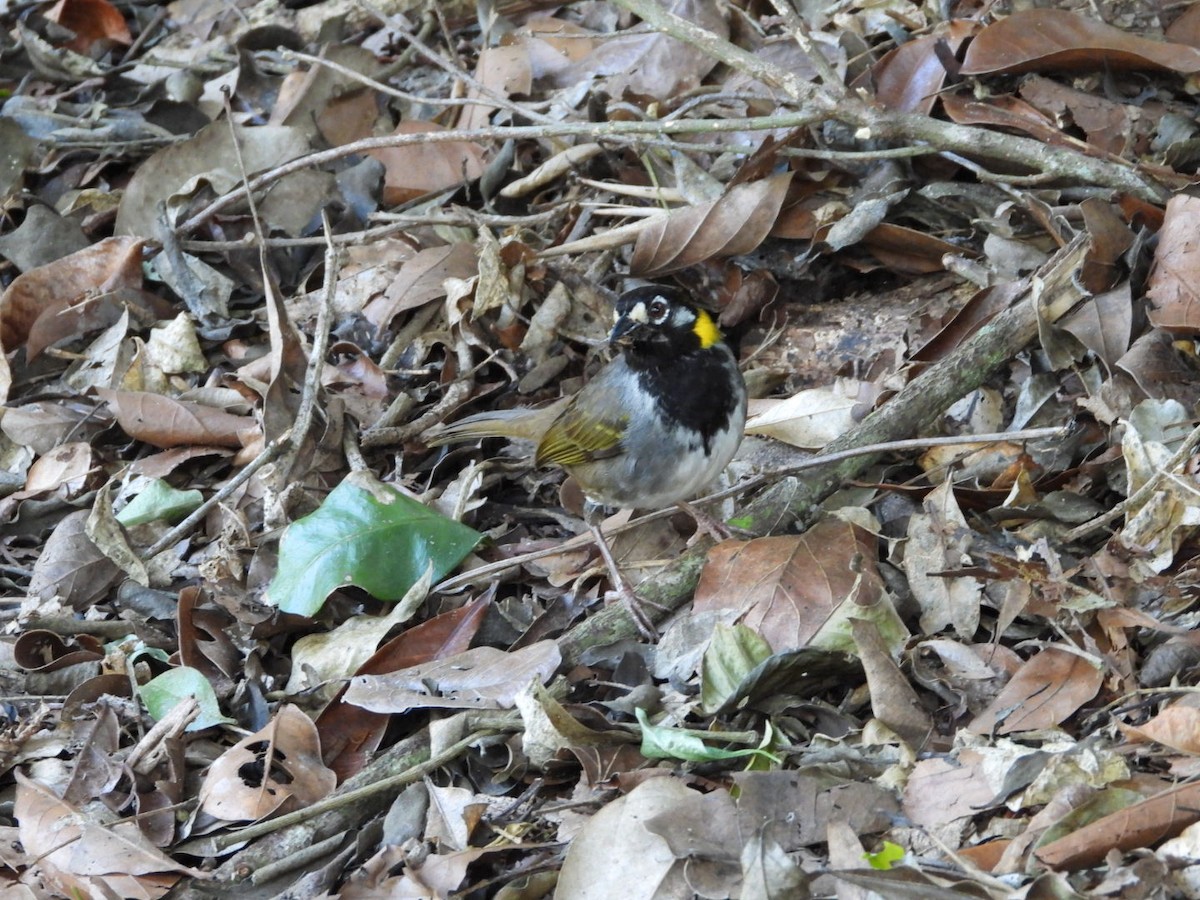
(257, 630)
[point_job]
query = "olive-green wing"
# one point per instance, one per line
(578, 436)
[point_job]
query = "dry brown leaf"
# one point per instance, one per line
(67, 465)
(1003, 112)
(96, 24)
(422, 279)
(504, 71)
(163, 422)
(909, 77)
(1054, 39)
(84, 857)
(413, 170)
(1142, 825)
(734, 223)
(1177, 727)
(1044, 692)
(908, 250)
(788, 588)
(71, 295)
(71, 566)
(894, 702)
(1173, 281)
(1104, 323)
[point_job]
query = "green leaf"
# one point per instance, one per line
(366, 534)
(885, 858)
(168, 690)
(731, 655)
(675, 743)
(158, 500)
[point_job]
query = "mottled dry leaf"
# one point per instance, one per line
(1044, 692)
(481, 678)
(553, 44)
(277, 769)
(939, 541)
(1054, 39)
(205, 161)
(436, 875)
(1174, 279)
(798, 807)
(1108, 125)
(648, 62)
(942, 789)
(734, 223)
(163, 422)
(66, 465)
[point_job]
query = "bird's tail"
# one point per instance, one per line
(517, 424)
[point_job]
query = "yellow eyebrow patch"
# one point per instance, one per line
(706, 329)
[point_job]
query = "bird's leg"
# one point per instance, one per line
(628, 596)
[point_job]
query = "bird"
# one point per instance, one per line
(653, 428)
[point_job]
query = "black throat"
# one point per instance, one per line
(692, 389)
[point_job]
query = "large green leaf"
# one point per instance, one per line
(366, 534)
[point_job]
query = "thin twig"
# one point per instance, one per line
(1139, 497)
(350, 798)
(799, 31)
(585, 539)
(269, 452)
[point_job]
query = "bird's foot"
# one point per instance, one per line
(636, 607)
(634, 604)
(714, 528)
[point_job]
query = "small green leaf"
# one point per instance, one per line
(366, 534)
(674, 743)
(164, 693)
(158, 500)
(731, 655)
(885, 858)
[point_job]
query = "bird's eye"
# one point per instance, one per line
(658, 309)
